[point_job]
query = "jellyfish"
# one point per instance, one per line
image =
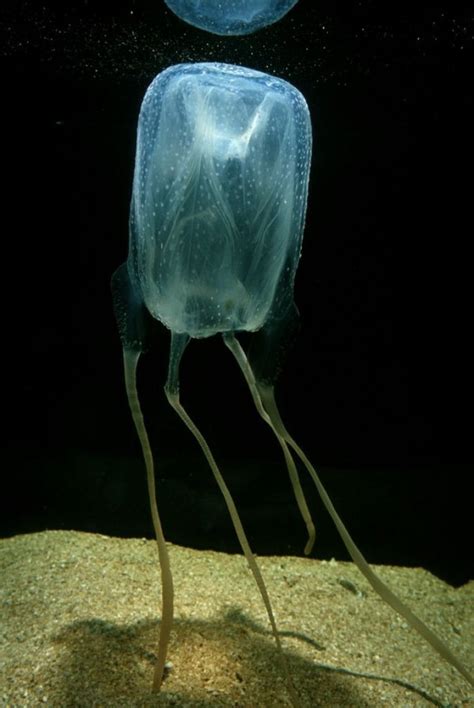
(216, 224)
(231, 17)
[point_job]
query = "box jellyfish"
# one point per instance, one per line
(232, 17)
(216, 225)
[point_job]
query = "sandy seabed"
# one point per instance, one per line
(80, 622)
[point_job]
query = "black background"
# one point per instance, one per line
(378, 387)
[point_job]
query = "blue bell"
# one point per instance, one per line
(230, 17)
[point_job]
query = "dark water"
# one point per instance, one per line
(378, 386)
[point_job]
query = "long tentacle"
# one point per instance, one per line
(173, 398)
(264, 397)
(130, 360)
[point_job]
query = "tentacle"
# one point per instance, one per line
(234, 346)
(264, 397)
(130, 360)
(172, 393)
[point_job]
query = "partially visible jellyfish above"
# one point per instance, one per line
(231, 17)
(216, 224)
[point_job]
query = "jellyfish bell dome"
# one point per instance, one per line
(219, 197)
(230, 17)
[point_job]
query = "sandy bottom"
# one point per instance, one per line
(80, 621)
